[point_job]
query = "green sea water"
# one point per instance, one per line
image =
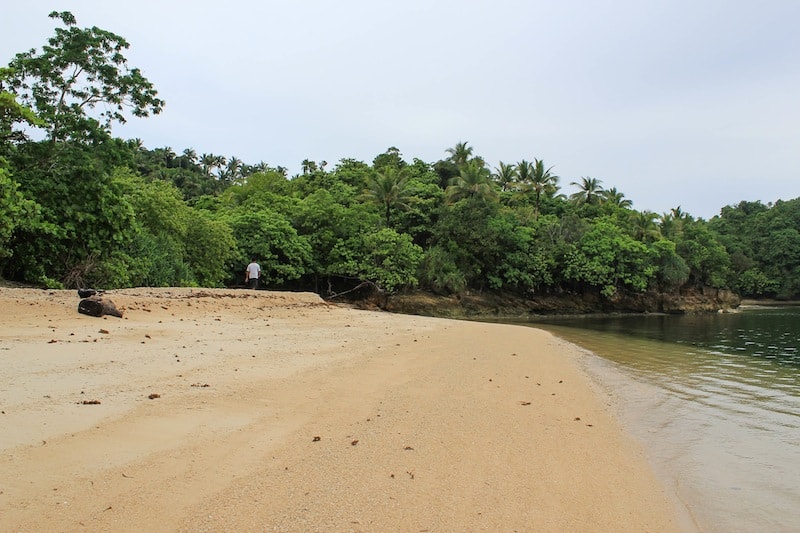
(715, 401)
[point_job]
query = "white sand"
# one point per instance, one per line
(279, 412)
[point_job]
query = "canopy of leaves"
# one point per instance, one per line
(79, 71)
(764, 246)
(607, 258)
(384, 257)
(16, 211)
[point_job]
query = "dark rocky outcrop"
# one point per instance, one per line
(477, 305)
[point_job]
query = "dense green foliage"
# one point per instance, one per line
(763, 244)
(80, 207)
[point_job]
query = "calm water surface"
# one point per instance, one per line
(715, 399)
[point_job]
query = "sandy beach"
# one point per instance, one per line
(234, 410)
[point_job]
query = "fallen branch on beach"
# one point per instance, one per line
(361, 285)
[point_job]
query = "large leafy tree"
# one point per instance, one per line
(608, 259)
(513, 257)
(745, 229)
(15, 210)
(672, 269)
(210, 248)
(154, 254)
(80, 83)
(706, 256)
(77, 86)
(345, 186)
(84, 214)
(464, 238)
(262, 190)
(384, 257)
(439, 272)
(390, 158)
(173, 244)
(328, 225)
(269, 236)
(11, 114)
(424, 200)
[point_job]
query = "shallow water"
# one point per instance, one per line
(715, 400)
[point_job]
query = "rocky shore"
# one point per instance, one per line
(497, 305)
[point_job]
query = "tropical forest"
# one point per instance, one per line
(80, 207)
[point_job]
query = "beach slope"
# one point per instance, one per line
(223, 410)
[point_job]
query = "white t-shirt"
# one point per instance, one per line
(253, 270)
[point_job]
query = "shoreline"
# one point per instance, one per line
(769, 303)
(242, 410)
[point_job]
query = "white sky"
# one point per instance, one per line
(691, 103)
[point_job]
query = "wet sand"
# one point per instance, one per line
(221, 410)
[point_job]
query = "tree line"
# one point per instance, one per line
(80, 207)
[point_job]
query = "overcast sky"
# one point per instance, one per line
(691, 103)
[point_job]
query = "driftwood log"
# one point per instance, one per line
(98, 306)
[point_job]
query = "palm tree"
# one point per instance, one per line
(541, 181)
(136, 144)
(234, 169)
(524, 172)
(190, 155)
(678, 214)
(261, 166)
(169, 156)
(614, 197)
(207, 163)
(672, 223)
(644, 226)
(590, 191)
(308, 166)
(389, 189)
(506, 176)
(460, 154)
(474, 181)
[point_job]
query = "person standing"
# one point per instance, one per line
(251, 274)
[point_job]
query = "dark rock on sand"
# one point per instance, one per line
(98, 306)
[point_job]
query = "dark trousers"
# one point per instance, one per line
(252, 283)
